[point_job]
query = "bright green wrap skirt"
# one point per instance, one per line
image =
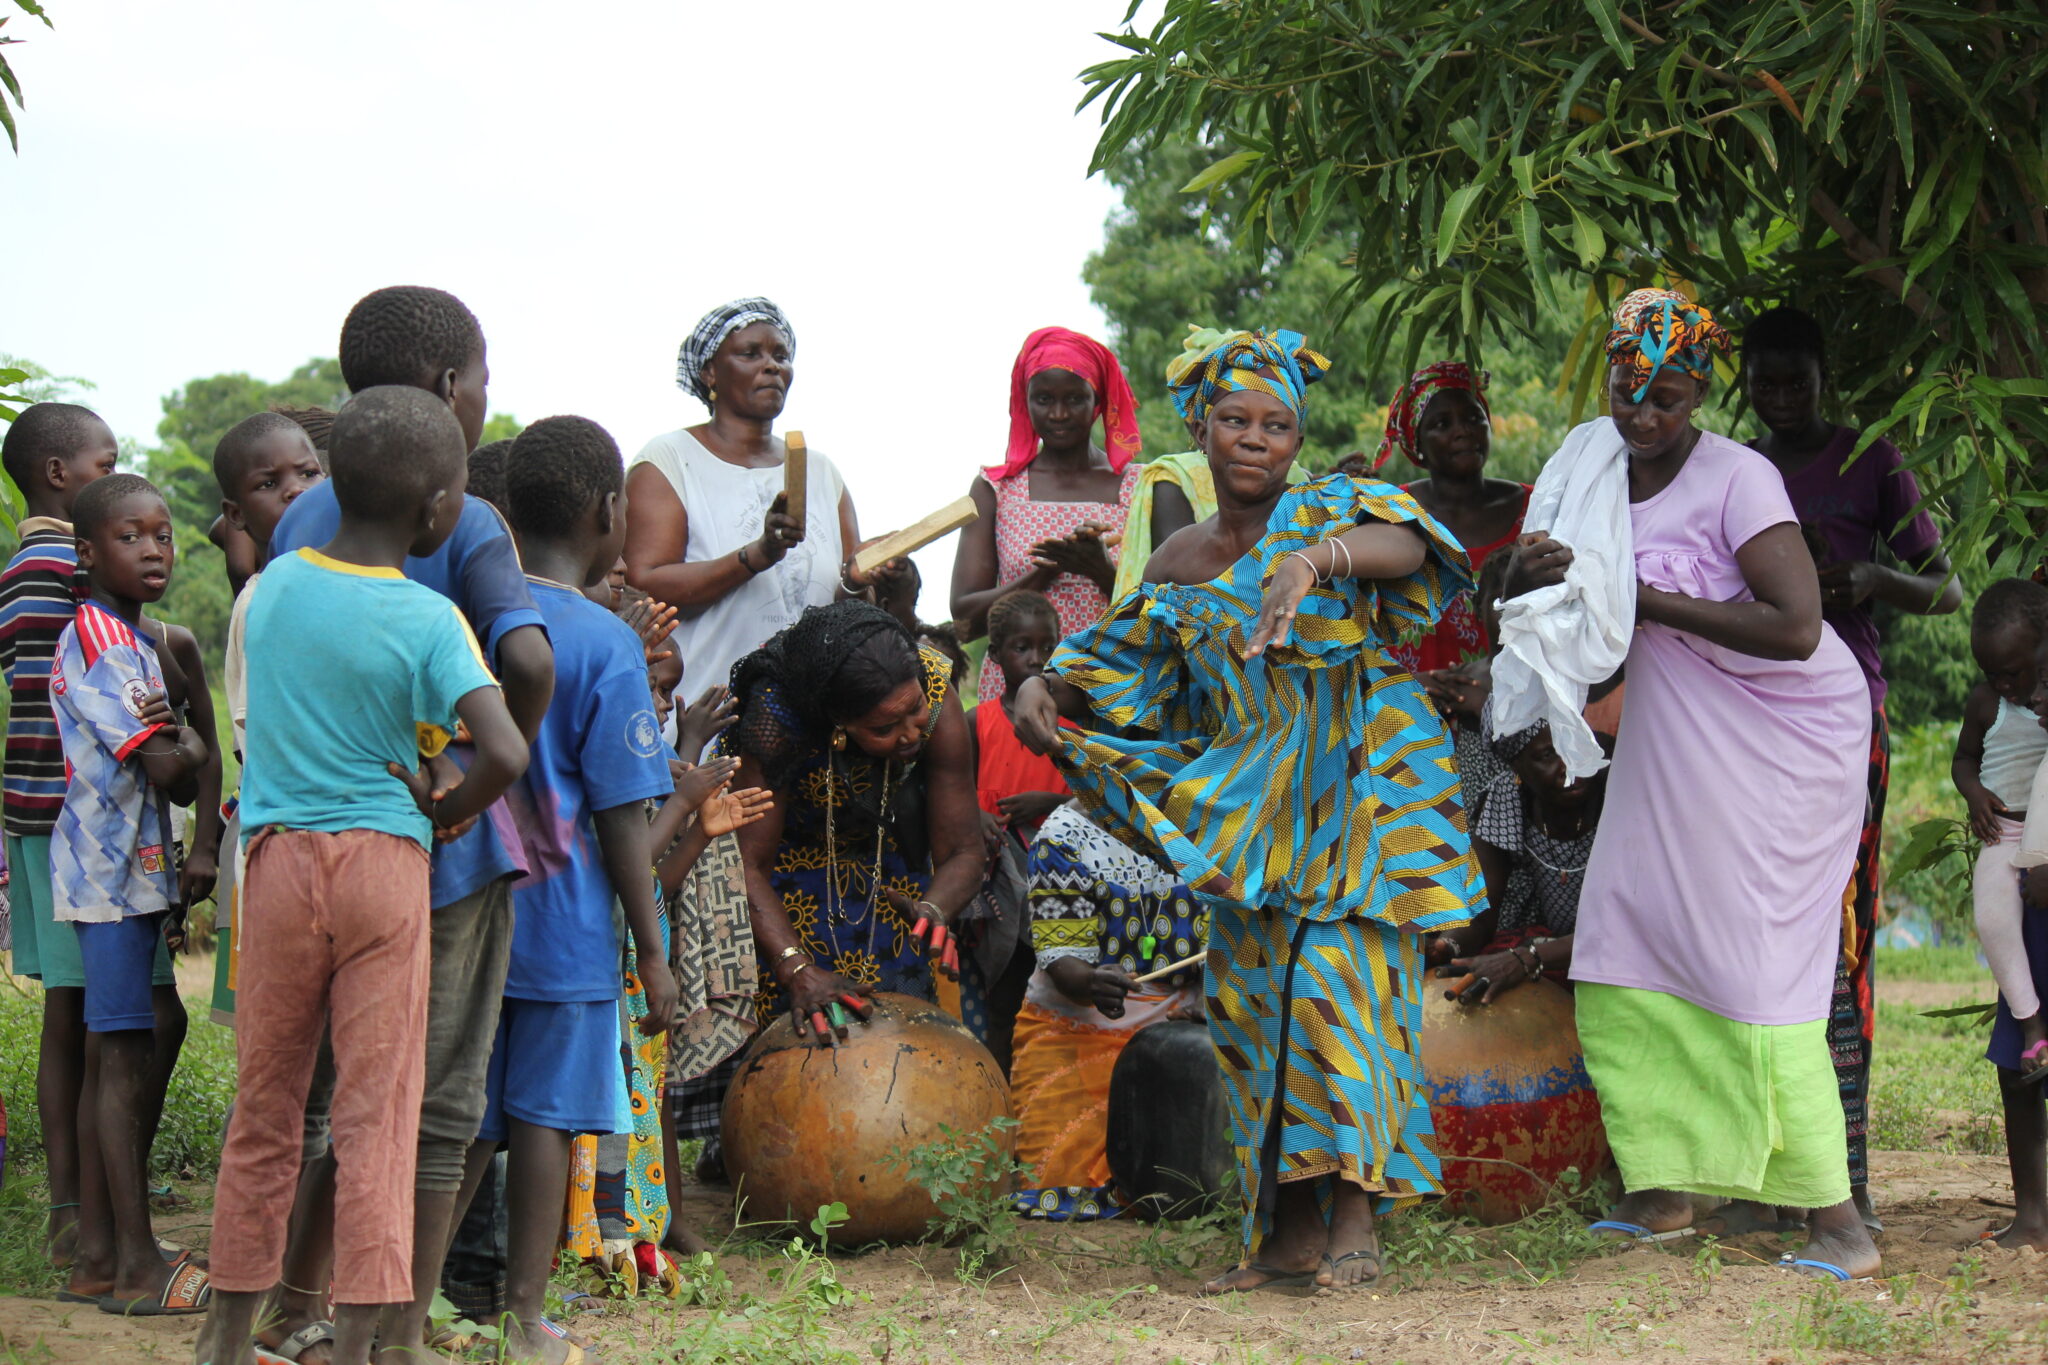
(1697, 1102)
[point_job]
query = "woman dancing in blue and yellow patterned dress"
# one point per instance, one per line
(1239, 712)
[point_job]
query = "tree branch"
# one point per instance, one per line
(1864, 251)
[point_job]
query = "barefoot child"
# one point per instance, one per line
(334, 934)
(1998, 755)
(555, 1069)
(111, 876)
(2019, 1075)
(52, 450)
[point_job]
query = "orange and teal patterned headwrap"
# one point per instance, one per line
(1272, 362)
(1656, 330)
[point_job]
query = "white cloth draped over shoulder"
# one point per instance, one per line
(1556, 642)
(726, 504)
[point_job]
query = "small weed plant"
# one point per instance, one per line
(793, 1324)
(970, 1176)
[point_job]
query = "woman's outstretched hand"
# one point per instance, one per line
(1035, 717)
(1291, 580)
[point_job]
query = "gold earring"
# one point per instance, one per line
(839, 739)
(712, 401)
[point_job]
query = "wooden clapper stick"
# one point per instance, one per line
(917, 535)
(795, 476)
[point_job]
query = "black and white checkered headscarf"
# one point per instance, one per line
(710, 333)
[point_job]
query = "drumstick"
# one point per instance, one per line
(1168, 970)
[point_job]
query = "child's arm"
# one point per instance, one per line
(173, 754)
(202, 865)
(501, 755)
(526, 666)
(722, 812)
(1980, 709)
(693, 784)
(622, 842)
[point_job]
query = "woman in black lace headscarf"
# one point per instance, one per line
(874, 845)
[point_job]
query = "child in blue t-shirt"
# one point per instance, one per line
(354, 673)
(111, 874)
(556, 1070)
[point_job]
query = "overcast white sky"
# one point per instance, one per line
(208, 188)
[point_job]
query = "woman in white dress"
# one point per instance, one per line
(706, 529)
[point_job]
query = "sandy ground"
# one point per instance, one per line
(1121, 1294)
(1087, 1295)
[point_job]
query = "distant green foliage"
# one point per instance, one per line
(1168, 260)
(1880, 165)
(500, 426)
(1927, 658)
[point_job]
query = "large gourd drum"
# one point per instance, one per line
(1169, 1124)
(1510, 1098)
(806, 1126)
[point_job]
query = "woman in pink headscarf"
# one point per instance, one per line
(1047, 508)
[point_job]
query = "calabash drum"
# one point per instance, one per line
(1169, 1126)
(1510, 1098)
(803, 1126)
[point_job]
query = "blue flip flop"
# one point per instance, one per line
(1636, 1232)
(1790, 1262)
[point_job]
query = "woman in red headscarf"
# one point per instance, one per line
(1049, 509)
(1441, 421)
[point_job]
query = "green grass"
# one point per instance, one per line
(1931, 1089)
(1921, 790)
(1947, 962)
(187, 1145)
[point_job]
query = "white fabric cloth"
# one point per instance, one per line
(726, 505)
(1556, 642)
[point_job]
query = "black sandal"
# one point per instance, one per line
(1378, 1265)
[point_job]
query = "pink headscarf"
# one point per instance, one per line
(1057, 348)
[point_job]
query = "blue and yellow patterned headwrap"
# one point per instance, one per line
(1657, 329)
(1271, 362)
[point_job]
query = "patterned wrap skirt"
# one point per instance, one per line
(1327, 1014)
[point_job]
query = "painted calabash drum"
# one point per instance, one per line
(804, 1126)
(1508, 1093)
(1169, 1144)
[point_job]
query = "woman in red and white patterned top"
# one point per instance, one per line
(1051, 509)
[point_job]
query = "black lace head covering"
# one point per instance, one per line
(834, 665)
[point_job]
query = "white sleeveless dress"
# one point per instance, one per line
(726, 505)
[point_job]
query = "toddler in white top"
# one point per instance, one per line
(1998, 770)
